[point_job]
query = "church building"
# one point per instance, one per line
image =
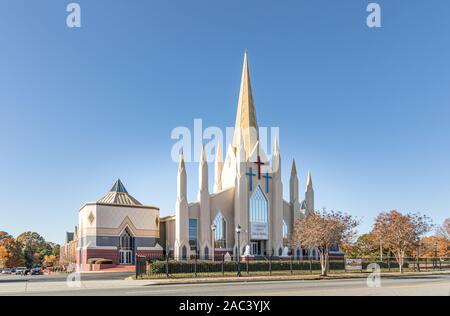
(246, 213)
(117, 228)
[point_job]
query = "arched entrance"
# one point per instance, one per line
(126, 248)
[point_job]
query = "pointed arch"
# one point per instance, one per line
(126, 240)
(220, 234)
(259, 207)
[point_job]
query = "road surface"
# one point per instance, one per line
(406, 285)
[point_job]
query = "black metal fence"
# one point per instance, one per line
(266, 266)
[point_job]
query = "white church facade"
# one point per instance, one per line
(245, 213)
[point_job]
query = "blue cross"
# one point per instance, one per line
(251, 175)
(267, 177)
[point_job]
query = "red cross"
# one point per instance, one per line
(259, 163)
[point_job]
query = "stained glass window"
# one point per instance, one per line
(220, 234)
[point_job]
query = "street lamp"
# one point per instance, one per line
(213, 230)
(238, 231)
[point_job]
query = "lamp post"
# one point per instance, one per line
(213, 230)
(238, 252)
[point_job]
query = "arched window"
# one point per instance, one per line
(285, 235)
(206, 253)
(220, 234)
(184, 252)
(126, 241)
(259, 209)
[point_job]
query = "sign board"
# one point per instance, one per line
(259, 231)
(353, 264)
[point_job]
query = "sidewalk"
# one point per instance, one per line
(331, 276)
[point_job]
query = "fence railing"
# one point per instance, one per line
(173, 268)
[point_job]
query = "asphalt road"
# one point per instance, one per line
(62, 277)
(413, 285)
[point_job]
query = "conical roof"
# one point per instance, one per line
(118, 195)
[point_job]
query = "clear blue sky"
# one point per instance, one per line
(366, 110)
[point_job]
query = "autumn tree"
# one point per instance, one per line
(11, 253)
(434, 246)
(365, 247)
(323, 231)
(49, 261)
(32, 246)
(400, 233)
(4, 235)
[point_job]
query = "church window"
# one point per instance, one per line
(126, 241)
(193, 234)
(220, 232)
(259, 207)
(184, 252)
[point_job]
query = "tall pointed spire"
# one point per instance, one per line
(294, 168)
(203, 171)
(218, 169)
(181, 165)
(246, 122)
(309, 181)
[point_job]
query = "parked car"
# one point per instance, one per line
(6, 271)
(22, 271)
(13, 271)
(36, 271)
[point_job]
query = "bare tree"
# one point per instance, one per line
(323, 230)
(400, 233)
(444, 230)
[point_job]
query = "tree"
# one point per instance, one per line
(364, 247)
(49, 261)
(434, 246)
(444, 230)
(400, 233)
(4, 235)
(11, 253)
(323, 231)
(32, 246)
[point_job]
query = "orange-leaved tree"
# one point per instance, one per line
(323, 231)
(400, 233)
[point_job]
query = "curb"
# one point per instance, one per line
(278, 279)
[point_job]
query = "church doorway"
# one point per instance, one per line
(257, 247)
(126, 248)
(125, 256)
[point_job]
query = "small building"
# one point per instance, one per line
(117, 227)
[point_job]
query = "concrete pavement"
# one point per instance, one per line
(405, 285)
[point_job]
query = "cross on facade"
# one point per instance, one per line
(251, 175)
(259, 163)
(267, 177)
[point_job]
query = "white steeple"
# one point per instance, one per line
(309, 195)
(182, 212)
(218, 169)
(203, 171)
(205, 210)
(246, 123)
